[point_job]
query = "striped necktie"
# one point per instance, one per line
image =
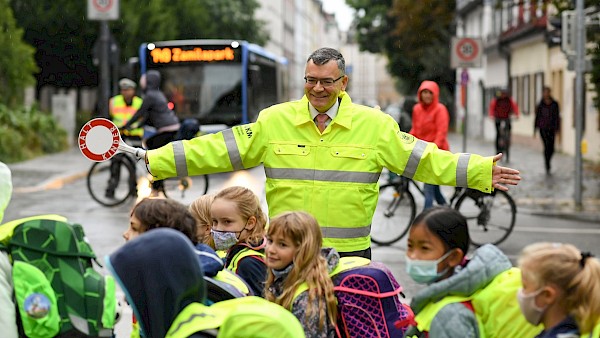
(321, 120)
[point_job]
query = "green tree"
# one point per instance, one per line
(64, 37)
(415, 37)
(17, 63)
(593, 36)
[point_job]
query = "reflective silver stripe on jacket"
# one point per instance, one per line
(232, 150)
(461, 170)
(322, 175)
(414, 159)
(344, 233)
(179, 154)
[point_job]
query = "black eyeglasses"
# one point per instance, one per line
(324, 82)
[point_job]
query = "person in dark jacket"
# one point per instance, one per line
(155, 112)
(160, 275)
(547, 120)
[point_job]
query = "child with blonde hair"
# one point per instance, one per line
(295, 258)
(200, 209)
(561, 289)
(238, 227)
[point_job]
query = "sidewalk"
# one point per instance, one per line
(537, 193)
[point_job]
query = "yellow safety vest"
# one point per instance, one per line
(235, 318)
(345, 263)
(246, 252)
(121, 113)
(228, 277)
(333, 175)
(496, 309)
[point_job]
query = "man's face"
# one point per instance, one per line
(322, 97)
(127, 93)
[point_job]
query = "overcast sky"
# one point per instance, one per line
(343, 13)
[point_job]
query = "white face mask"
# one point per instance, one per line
(532, 312)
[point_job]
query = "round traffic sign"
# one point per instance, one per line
(102, 5)
(99, 139)
(467, 49)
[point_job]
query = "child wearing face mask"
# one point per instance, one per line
(438, 241)
(238, 228)
(298, 275)
(200, 209)
(561, 290)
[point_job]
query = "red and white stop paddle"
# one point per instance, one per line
(99, 141)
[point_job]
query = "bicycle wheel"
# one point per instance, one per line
(111, 190)
(394, 213)
(490, 217)
(186, 189)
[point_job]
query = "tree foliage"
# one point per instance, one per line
(17, 63)
(593, 36)
(415, 37)
(64, 37)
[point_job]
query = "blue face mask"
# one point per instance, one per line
(425, 271)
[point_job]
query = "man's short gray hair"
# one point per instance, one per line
(323, 55)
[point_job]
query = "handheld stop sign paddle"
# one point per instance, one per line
(99, 140)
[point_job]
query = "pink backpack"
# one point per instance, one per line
(368, 302)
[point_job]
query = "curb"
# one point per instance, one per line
(52, 183)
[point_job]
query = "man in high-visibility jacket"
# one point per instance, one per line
(121, 108)
(333, 173)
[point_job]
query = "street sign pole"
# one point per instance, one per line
(579, 69)
(103, 10)
(104, 70)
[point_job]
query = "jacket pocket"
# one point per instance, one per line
(350, 152)
(291, 149)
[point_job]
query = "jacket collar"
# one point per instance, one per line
(343, 117)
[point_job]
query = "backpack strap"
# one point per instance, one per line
(345, 263)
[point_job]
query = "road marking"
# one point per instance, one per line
(587, 231)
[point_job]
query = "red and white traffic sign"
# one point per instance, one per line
(103, 9)
(99, 139)
(466, 52)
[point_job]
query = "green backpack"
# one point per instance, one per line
(57, 290)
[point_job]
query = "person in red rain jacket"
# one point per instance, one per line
(430, 123)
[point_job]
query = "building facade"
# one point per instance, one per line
(522, 53)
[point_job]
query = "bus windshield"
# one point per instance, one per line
(216, 81)
(209, 92)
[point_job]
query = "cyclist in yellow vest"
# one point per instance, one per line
(333, 173)
(121, 108)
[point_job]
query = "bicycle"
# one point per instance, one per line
(112, 189)
(503, 145)
(490, 217)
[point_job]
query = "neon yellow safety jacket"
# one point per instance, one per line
(496, 309)
(239, 317)
(333, 175)
(121, 112)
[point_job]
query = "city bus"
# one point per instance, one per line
(218, 82)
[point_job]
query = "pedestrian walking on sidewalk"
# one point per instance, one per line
(547, 120)
(430, 120)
